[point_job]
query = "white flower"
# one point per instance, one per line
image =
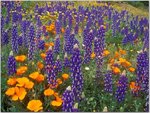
(87, 68)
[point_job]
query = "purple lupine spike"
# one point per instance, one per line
(41, 44)
(14, 39)
(99, 45)
(108, 83)
(31, 33)
(14, 17)
(52, 77)
(76, 74)
(7, 19)
(20, 41)
(5, 37)
(68, 100)
(49, 60)
(146, 39)
(58, 26)
(58, 65)
(142, 78)
(31, 50)
(57, 45)
(11, 64)
(24, 32)
(122, 87)
(76, 28)
(88, 46)
(66, 61)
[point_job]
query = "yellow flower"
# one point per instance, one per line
(11, 81)
(34, 105)
(20, 58)
(36, 76)
(65, 76)
(48, 92)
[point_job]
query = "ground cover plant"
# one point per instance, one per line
(74, 57)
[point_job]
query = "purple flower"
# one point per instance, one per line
(66, 61)
(57, 45)
(41, 44)
(68, 100)
(76, 73)
(11, 64)
(14, 39)
(58, 26)
(58, 65)
(121, 88)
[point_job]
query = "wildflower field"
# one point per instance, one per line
(74, 57)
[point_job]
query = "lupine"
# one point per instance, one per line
(58, 65)
(52, 77)
(66, 61)
(11, 64)
(58, 26)
(143, 70)
(99, 44)
(31, 50)
(20, 41)
(108, 80)
(57, 45)
(24, 32)
(76, 74)
(14, 17)
(5, 37)
(41, 44)
(14, 39)
(68, 100)
(121, 87)
(49, 60)
(31, 33)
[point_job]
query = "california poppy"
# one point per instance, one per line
(131, 69)
(48, 92)
(21, 70)
(11, 81)
(106, 53)
(43, 55)
(20, 58)
(35, 105)
(92, 55)
(65, 76)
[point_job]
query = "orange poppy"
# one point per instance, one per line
(24, 82)
(117, 55)
(131, 69)
(65, 76)
(46, 45)
(11, 81)
(133, 87)
(51, 44)
(20, 58)
(122, 52)
(48, 92)
(43, 55)
(40, 65)
(40, 78)
(92, 55)
(56, 103)
(37, 76)
(116, 70)
(35, 105)
(59, 81)
(62, 30)
(10, 91)
(106, 53)
(21, 70)
(112, 61)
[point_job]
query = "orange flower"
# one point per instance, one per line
(133, 87)
(112, 61)
(10, 91)
(51, 44)
(116, 70)
(20, 58)
(116, 55)
(122, 52)
(35, 105)
(21, 70)
(40, 65)
(92, 55)
(106, 53)
(40, 78)
(56, 103)
(48, 92)
(43, 55)
(127, 64)
(46, 45)
(11, 81)
(36, 76)
(24, 82)
(131, 69)
(65, 76)
(20, 94)
(62, 30)
(59, 81)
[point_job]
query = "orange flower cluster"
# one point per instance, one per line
(37, 76)
(20, 58)
(133, 87)
(21, 70)
(120, 61)
(18, 91)
(51, 28)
